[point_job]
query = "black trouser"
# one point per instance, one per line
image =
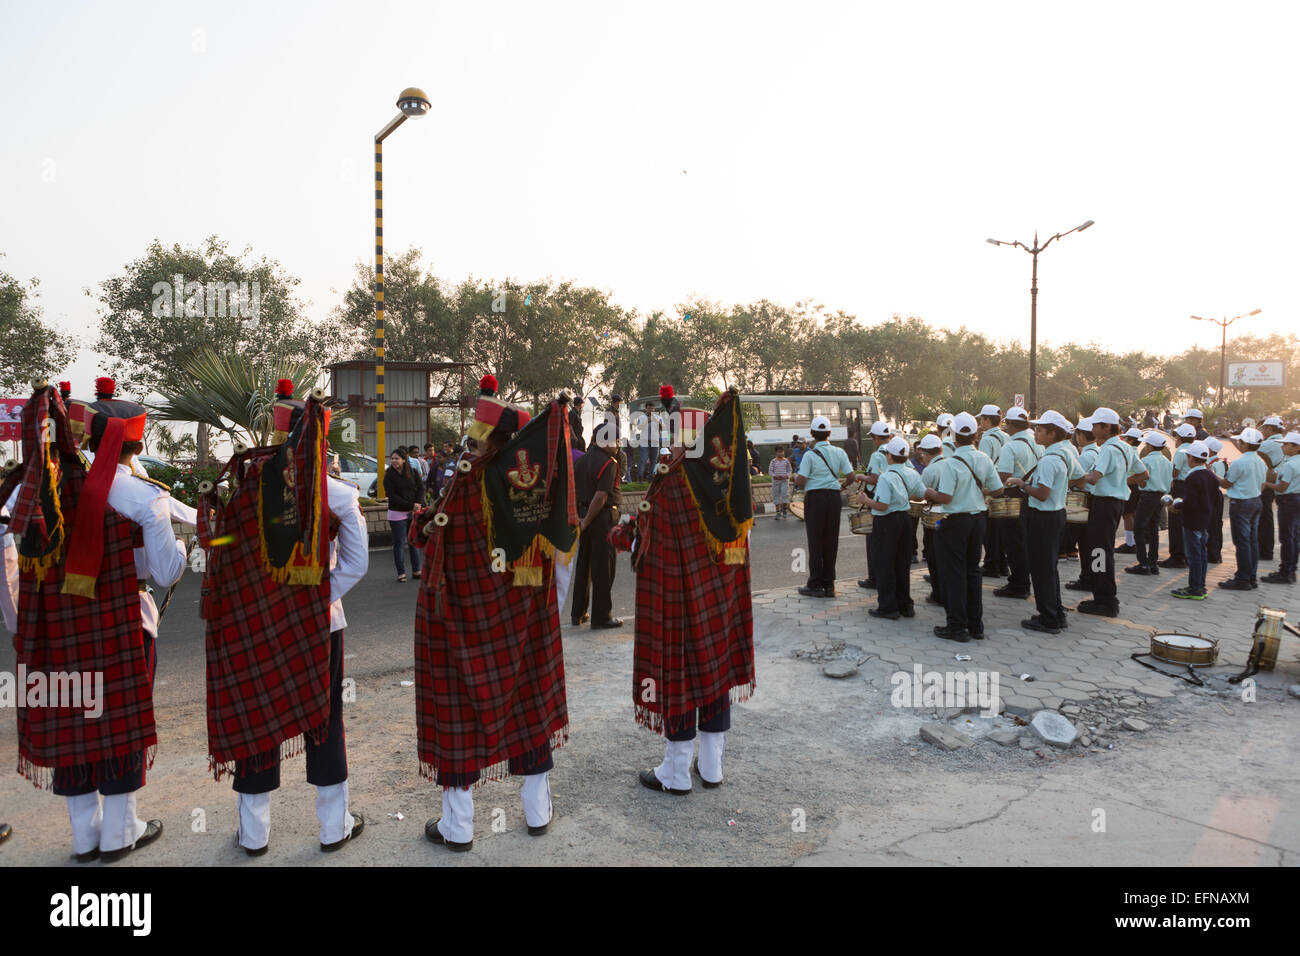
(1043, 539)
(595, 568)
(1081, 542)
(1146, 527)
(1176, 524)
(821, 519)
(958, 541)
(871, 553)
(911, 540)
(932, 562)
(1103, 519)
(1013, 540)
(713, 719)
(893, 561)
(327, 762)
(994, 556)
(1266, 525)
(122, 775)
(1214, 551)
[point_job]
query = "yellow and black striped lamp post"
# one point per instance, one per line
(412, 102)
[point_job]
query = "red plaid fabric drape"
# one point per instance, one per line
(267, 643)
(694, 621)
(489, 664)
(66, 634)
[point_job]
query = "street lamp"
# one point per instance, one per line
(412, 102)
(1033, 306)
(1223, 348)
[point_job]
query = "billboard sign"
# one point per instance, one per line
(11, 415)
(1256, 374)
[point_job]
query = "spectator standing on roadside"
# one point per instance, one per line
(780, 468)
(402, 483)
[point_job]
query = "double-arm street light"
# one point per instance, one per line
(1223, 349)
(1033, 306)
(412, 102)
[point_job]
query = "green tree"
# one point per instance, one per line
(29, 349)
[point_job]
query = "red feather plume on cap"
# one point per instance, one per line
(105, 387)
(487, 385)
(666, 392)
(284, 386)
(65, 388)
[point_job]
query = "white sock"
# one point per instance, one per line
(87, 820)
(675, 772)
(457, 823)
(332, 811)
(121, 827)
(711, 750)
(1128, 538)
(536, 794)
(254, 820)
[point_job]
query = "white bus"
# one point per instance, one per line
(782, 415)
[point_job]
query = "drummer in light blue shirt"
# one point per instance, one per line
(1108, 479)
(1146, 520)
(1087, 448)
(1019, 455)
(899, 484)
(944, 424)
(1243, 485)
(1045, 519)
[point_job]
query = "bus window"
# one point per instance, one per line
(869, 413)
(766, 414)
(795, 414)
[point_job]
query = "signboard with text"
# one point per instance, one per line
(1256, 374)
(1020, 400)
(11, 414)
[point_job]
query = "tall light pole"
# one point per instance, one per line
(1223, 348)
(412, 102)
(1033, 306)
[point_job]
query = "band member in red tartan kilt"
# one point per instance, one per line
(489, 663)
(87, 542)
(694, 650)
(275, 621)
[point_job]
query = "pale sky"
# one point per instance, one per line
(858, 154)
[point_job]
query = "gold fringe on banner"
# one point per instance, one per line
(741, 528)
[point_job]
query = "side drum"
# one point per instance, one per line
(1077, 506)
(1190, 649)
(1004, 507)
(860, 521)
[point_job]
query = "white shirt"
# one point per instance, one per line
(9, 567)
(163, 555)
(179, 510)
(349, 552)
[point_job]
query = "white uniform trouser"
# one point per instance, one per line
(563, 578)
(457, 823)
(331, 810)
(111, 827)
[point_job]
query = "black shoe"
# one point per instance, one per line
(1137, 569)
(540, 831)
(1098, 608)
(828, 593)
(908, 611)
(933, 598)
(868, 583)
(1172, 563)
(1254, 584)
(812, 592)
(434, 835)
(1036, 624)
(958, 634)
(651, 782)
(1153, 569)
(356, 832)
(89, 856)
(1078, 586)
(1277, 577)
(887, 615)
(1232, 584)
(695, 769)
(251, 852)
(926, 579)
(582, 620)
(151, 832)
(976, 633)
(1126, 549)
(1007, 591)
(613, 622)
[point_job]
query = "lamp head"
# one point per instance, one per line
(413, 102)
(993, 242)
(1256, 312)
(1085, 226)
